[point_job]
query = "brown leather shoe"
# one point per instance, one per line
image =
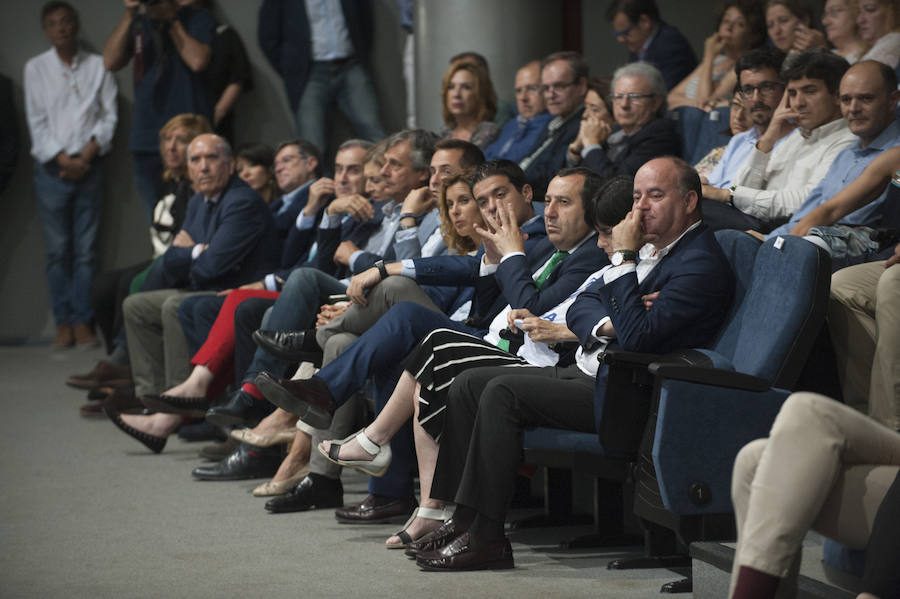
(460, 554)
(376, 509)
(104, 374)
(309, 399)
(84, 337)
(65, 337)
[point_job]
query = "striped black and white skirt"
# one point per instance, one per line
(438, 360)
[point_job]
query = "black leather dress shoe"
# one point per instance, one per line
(314, 492)
(461, 554)
(375, 509)
(292, 346)
(310, 399)
(241, 409)
(436, 539)
(245, 462)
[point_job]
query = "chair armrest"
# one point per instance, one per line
(620, 357)
(709, 376)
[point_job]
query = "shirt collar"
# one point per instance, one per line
(572, 249)
(290, 196)
(649, 251)
(213, 199)
(823, 130)
(649, 41)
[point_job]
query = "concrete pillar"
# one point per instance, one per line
(509, 33)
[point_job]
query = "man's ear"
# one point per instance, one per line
(527, 192)
(692, 199)
(314, 161)
(232, 163)
(645, 24)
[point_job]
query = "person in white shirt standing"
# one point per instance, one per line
(70, 103)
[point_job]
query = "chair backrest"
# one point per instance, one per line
(774, 325)
(740, 249)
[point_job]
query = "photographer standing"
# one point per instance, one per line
(170, 45)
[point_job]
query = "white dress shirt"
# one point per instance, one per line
(67, 105)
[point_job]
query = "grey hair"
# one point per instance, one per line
(365, 144)
(421, 145)
(648, 72)
(221, 143)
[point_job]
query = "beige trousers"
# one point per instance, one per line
(824, 466)
(864, 320)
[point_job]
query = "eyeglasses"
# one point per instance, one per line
(557, 87)
(766, 88)
(617, 33)
(633, 98)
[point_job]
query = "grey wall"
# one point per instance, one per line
(263, 113)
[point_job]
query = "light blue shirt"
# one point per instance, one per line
(288, 198)
(733, 158)
(330, 39)
(847, 166)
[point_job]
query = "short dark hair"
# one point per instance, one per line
(471, 156)
(759, 58)
(575, 61)
(589, 187)
(257, 154)
(304, 148)
(816, 64)
(55, 5)
(501, 166)
(612, 201)
(633, 9)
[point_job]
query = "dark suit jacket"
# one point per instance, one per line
(696, 287)
(656, 138)
(358, 232)
(285, 38)
(547, 164)
(237, 228)
(671, 53)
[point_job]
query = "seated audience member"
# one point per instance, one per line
(505, 109)
(221, 244)
(739, 29)
(864, 321)
(520, 133)
(641, 131)
(878, 22)
(637, 25)
(322, 488)
(774, 181)
(597, 114)
(761, 90)
(847, 466)
(254, 164)
(431, 368)
(839, 22)
(469, 104)
(564, 78)
(738, 122)
(868, 94)
(789, 24)
(487, 408)
(112, 287)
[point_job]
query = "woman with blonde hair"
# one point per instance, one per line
(470, 103)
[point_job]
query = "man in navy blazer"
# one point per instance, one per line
(662, 255)
(322, 56)
(636, 23)
(220, 245)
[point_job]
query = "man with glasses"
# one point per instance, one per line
(563, 85)
(519, 134)
(636, 24)
(641, 132)
(773, 182)
(761, 89)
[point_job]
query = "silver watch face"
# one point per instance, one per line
(617, 259)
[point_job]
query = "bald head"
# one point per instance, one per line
(868, 95)
(209, 163)
(529, 99)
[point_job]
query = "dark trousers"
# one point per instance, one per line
(487, 410)
(109, 290)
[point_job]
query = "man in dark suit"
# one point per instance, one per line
(641, 132)
(564, 84)
(323, 58)
(636, 24)
(220, 245)
(660, 250)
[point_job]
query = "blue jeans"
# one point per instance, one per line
(70, 217)
(350, 86)
(148, 171)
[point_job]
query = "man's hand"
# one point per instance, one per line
(329, 312)
(183, 240)
(418, 201)
(628, 234)
(506, 236)
(517, 314)
(355, 205)
(895, 259)
(367, 279)
(71, 168)
(544, 331)
(649, 299)
(714, 193)
(254, 285)
(344, 251)
(782, 123)
(132, 6)
(163, 10)
(319, 191)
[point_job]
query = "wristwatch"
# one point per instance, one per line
(621, 256)
(381, 269)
